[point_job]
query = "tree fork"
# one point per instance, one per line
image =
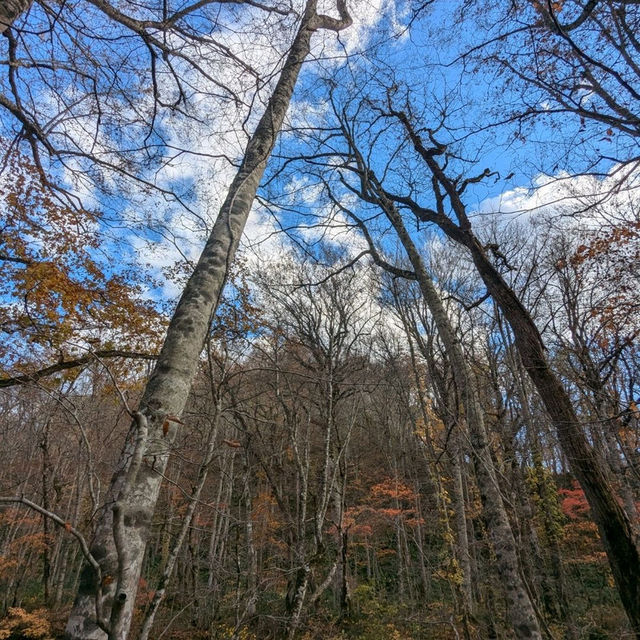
(520, 608)
(521, 612)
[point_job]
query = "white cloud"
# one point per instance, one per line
(588, 200)
(202, 149)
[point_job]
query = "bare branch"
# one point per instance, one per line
(63, 365)
(79, 537)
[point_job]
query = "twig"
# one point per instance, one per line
(83, 546)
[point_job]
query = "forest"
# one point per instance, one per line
(317, 319)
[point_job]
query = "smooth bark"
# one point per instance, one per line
(194, 500)
(615, 527)
(123, 529)
(521, 612)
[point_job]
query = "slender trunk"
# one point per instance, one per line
(297, 588)
(521, 612)
(46, 553)
(326, 583)
(123, 530)
(194, 500)
(614, 525)
(213, 540)
(300, 592)
(345, 594)
(66, 557)
(252, 556)
(401, 587)
(326, 485)
(464, 558)
(218, 550)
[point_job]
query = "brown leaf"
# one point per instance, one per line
(165, 427)
(232, 443)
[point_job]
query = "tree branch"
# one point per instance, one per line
(83, 547)
(63, 365)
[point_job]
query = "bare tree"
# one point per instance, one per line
(327, 322)
(447, 195)
(520, 608)
(121, 536)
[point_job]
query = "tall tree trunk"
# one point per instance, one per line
(464, 557)
(47, 543)
(618, 537)
(135, 487)
(614, 525)
(194, 501)
(252, 556)
(521, 611)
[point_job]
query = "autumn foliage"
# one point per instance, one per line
(61, 284)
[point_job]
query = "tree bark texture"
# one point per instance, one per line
(10, 10)
(521, 612)
(124, 528)
(615, 527)
(167, 571)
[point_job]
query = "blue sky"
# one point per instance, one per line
(195, 145)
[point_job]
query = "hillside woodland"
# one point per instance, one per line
(319, 322)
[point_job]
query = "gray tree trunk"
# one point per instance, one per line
(11, 10)
(614, 525)
(464, 557)
(520, 609)
(122, 532)
(167, 571)
(252, 555)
